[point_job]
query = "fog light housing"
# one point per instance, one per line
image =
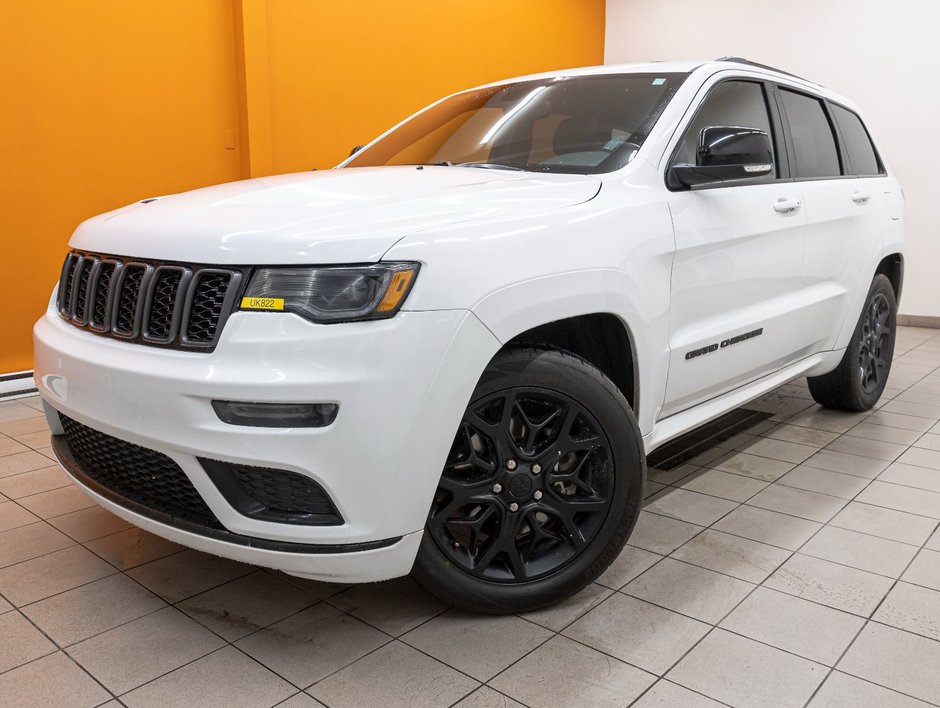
(276, 415)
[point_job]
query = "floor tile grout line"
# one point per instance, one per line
(96, 538)
(882, 623)
(874, 535)
(713, 626)
(226, 645)
(869, 620)
(326, 599)
(58, 648)
(41, 555)
(167, 673)
(686, 688)
(54, 650)
(487, 685)
(832, 668)
(777, 481)
(733, 451)
(289, 698)
(66, 647)
(316, 601)
(808, 540)
(165, 601)
(880, 685)
(257, 660)
(68, 483)
(891, 508)
(557, 633)
(911, 486)
(846, 565)
(663, 491)
(761, 584)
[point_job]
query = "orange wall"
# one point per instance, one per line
(101, 103)
(105, 102)
(340, 76)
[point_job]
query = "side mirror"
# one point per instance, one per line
(727, 153)
(355, 150)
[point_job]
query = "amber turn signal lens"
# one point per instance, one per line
(397, 290)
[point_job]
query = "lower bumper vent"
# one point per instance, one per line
(272, 495)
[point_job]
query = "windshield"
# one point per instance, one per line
(576, 124)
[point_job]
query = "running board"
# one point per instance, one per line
(675, 425)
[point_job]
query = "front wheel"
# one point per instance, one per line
(541, 489)
(857, 383)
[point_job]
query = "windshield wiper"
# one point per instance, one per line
(490, 166)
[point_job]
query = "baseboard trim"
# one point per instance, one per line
(930, 321)
(16, 385)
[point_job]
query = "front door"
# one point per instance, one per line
(736, 281)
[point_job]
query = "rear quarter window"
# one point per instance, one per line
(863, 160)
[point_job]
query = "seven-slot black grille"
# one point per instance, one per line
(143, 476)
(208, 304)
(160, 304)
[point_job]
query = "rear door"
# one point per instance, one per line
(830, 147)
(734, 316)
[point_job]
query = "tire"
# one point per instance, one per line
(857, 383)
(541, 489)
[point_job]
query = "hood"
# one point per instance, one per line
(350, 215)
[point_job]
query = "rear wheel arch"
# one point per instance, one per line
(892, 267)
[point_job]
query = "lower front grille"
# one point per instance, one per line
(145, 477)
(151, 480)
(152, 485)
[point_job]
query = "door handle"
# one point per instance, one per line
(787, 206)
(860, 197)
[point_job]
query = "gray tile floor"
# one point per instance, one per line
(798, 564)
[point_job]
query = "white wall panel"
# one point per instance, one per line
(883, 55)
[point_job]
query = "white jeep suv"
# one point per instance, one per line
(451, 355)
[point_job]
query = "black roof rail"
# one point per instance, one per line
(742, 60)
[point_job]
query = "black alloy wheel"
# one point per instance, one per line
(526, 487)
(873, 350)
(541, 489)
(857, 382)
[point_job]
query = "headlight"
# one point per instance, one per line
(332, 294)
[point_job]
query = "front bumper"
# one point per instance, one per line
(401, 386)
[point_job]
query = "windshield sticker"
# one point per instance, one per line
(658, 82)
(614, 143)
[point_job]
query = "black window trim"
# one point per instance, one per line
(778, 136)
(882, 171)
(836, 135)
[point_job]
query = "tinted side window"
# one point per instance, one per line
(816, 153)
(730, 103)
(862, 156)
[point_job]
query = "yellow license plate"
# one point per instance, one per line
(262, 303)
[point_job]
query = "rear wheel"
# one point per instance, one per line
(857, 383)
(541, 489)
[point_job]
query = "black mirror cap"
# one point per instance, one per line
(730, 145)
(726, 153)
